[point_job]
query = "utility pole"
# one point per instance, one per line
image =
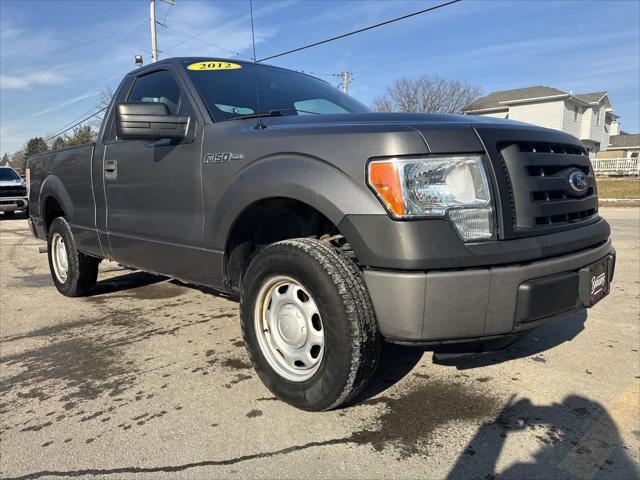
(346, 80)
(154, 40)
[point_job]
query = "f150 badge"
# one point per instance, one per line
(222, 157)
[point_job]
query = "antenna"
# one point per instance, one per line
(253, 31)
(259, 125)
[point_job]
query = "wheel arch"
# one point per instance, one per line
(54, 201)
(303, 178)
(267, 221)
(319, 193)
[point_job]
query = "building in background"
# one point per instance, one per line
(623, 145)
(588, 116)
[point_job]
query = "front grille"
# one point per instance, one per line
(12, 202)
(13, 191)
(540, 193)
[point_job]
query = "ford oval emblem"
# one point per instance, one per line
(578, 181)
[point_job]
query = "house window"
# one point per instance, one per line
(575, 113)
(597, 117)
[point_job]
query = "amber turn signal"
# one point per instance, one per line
(384, 178)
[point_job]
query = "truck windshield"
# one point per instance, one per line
(8, 174)
(231, 92)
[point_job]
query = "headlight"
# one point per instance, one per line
(455, 187)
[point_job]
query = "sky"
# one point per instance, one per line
(57, 57)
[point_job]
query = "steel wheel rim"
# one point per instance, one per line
(59, 258)
(289, 328)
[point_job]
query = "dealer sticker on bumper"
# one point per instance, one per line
(594, 282)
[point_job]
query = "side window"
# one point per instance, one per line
(154, 87)
(157, 87)
(109, 134)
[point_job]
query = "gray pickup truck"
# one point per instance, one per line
(335, 227)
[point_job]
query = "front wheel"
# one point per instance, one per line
(74, 273)
(308, 324)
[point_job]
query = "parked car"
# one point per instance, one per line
(13, 192)
(336, 227)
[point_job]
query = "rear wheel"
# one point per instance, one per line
(308, 324)
(74, 273)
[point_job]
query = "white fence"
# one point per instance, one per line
(616, 166)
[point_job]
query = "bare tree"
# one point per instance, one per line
(105, 100)
(58, 143)
(18, 160)
(427, 94)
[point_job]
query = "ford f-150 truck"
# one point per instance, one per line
(335, 227)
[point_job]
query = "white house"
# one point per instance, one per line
(622, 145)
(588, 116)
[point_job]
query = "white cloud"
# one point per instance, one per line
(66, 103)
(30, 79)
(542, 46)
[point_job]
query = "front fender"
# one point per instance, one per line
(307, 179)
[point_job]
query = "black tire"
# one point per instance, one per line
(9, 213)
(82, 271)
(352, 341)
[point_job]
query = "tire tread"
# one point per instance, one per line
(83, 269)
(360, 313)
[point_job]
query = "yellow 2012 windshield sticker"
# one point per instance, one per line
(202, 66)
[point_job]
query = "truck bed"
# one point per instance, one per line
(70, 167)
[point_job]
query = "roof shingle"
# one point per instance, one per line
(493, 100)
(591, 97)
(625, 140)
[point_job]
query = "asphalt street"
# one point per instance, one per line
(148, 378)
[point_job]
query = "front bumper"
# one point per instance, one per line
(10, 204)
(438, 307)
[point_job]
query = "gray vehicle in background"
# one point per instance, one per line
(13, 192)
(336, 228)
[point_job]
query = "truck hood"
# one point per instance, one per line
(439, 119)
(442, 133)
(349, 141)
(393, 133)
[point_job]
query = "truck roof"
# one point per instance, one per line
(187, 60)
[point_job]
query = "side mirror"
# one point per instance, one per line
(149, 121)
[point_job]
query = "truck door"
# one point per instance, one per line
(153, 190)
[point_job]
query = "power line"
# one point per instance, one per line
(76, 124)
(91, 110)
(192, 37)
(52, 137)
(166, 12)
(338, 37)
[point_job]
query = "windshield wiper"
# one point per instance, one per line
(271, 113)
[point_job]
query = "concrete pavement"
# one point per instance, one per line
(148, 378)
